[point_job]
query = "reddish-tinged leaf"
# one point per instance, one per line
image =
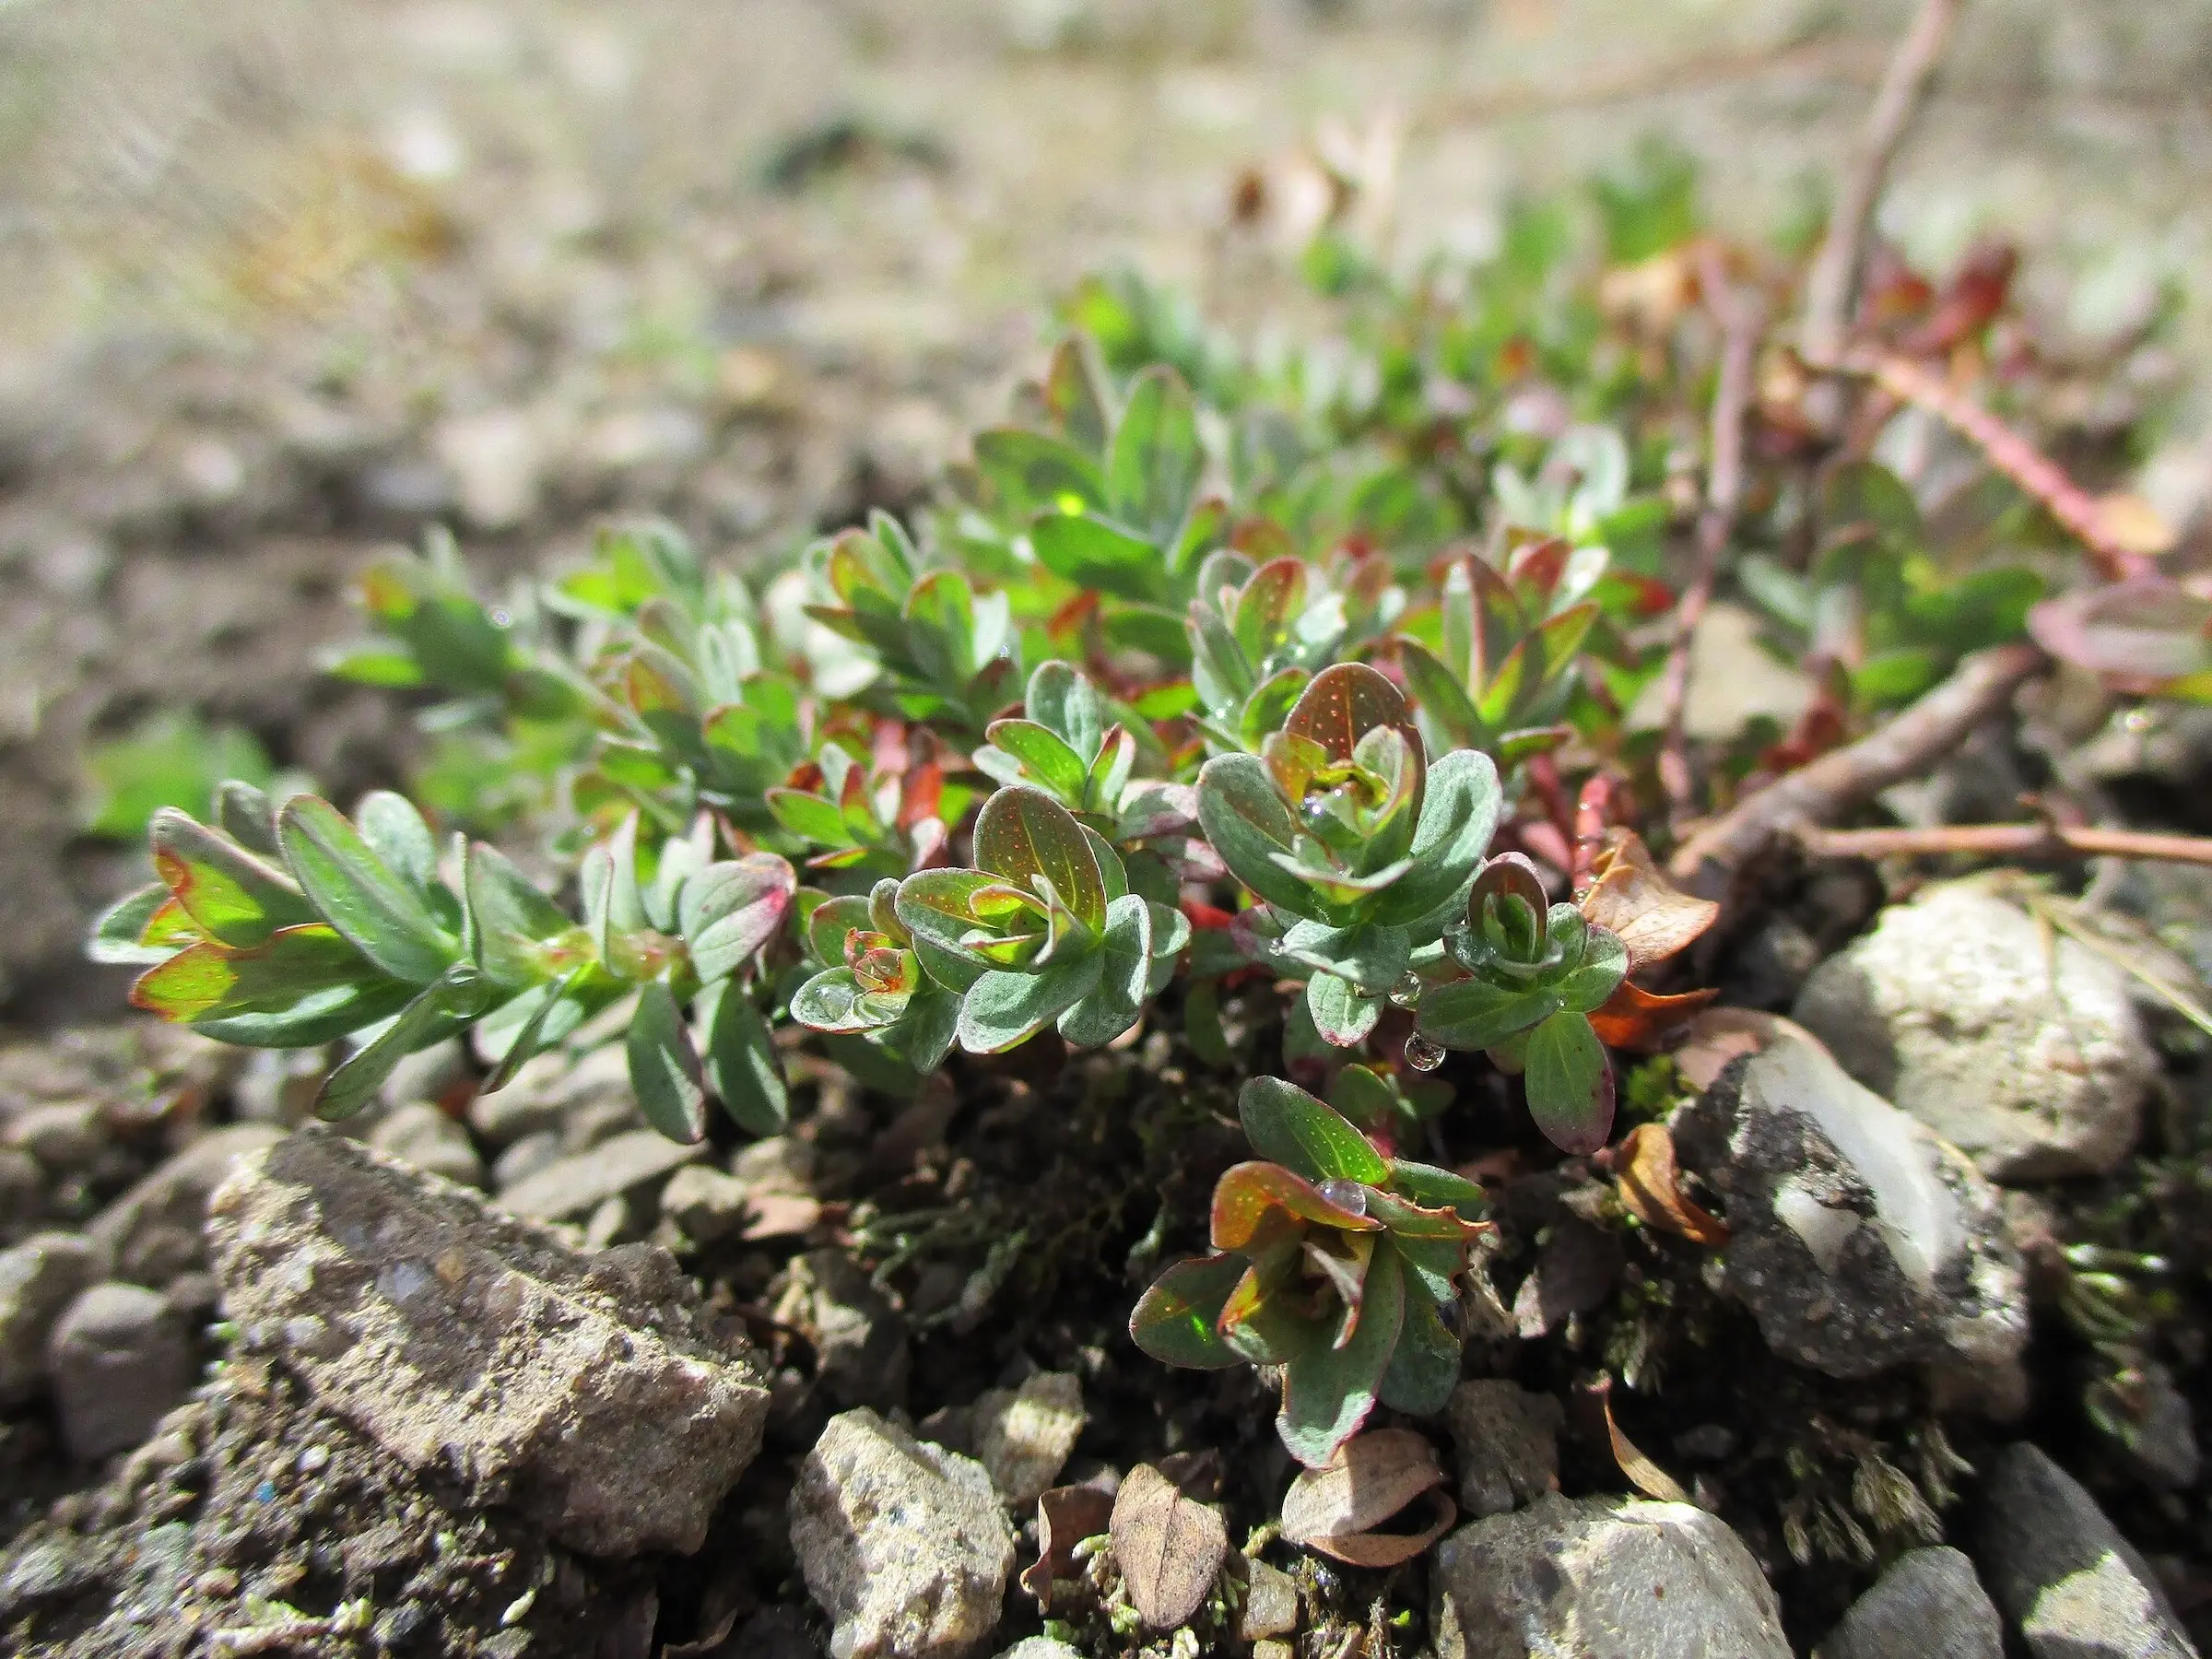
(2142, 635)
(1023, 832)
(1635, 1018)
(1645, 1474)
(1343, 704)
(1534, 570)
(1250, 1193)
(1633, 898)
(1065, 1516)
(1650, 1188)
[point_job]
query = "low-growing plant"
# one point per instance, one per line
(1331, 1261)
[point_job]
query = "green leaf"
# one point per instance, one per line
(394, 831)
(1248, 822)
(1092, 553)
(1125, 957)
(383, 918)
(1153, 466)
(1459, 815)
(1003, 1010)
(1038, 755)
(540, 1018)
(1475, 1014)
(1442, 697)
(1570, 1084)
(354, 1083)
(741, 1059)
(1343, 1014)
(809, 817)
(1432, 1188)
(244, 813)
(118, 935)
(1174, 1319)
(170, 760)
(1289, 1126)
(1328, 1391)
(945, 910)
(1270, 704)
(1269, 607)
(211, 979)
(512, 918)
(1373, 958)
(229, 894)
(940, 615)
(1033, 474)
(1604, 965)
(1424, 1367)
(665, 1071)
(1023, 832)
(730, 910)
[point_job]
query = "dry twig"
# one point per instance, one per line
(1834, 279)
(1741, 315)
(1707, 864)
(2036, 474)
(2006, 841)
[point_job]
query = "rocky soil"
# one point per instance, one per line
(509, 1375)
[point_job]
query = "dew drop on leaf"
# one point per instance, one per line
(1422, 1054)
(1406, 993)
(1346, 1196)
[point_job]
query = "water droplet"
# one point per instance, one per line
(1406, 993)
(1346, 1196)
(1422, 1054)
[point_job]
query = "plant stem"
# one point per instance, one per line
(2008, 840)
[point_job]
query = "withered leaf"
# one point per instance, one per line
(1633, 898)
(1170, 1547)
(1373, 1479)
(1574, 1273)
(1065, 1516)
(1645, 1474)
(1635, 1018)
(1651, 1186)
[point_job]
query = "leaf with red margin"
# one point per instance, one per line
(1249, 1193)
(1635, 1018)
(1343, 704)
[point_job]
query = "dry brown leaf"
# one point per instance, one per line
(779, 1216)
(1065, 1516)
(1645, 1474)
(1651, 1186)
(1635, 1018)
(1373, 1478)
(1633, 898)
(1170, 1547)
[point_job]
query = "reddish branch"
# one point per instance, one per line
(2006, 841)
(1831, 786)
(1740, 315)
(1834, 279)
(2008, 453)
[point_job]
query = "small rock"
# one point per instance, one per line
(525, 1159)
(497, 460)
(22, 1189)
(433, 1074)
(2060, 1571)
(1270, 1602)
(1040, 1647)
(858, 1336)
(1859, 1241)
(571, 1187)
(779, 1164)
(2157, 1425)
(591, 1393)
(119, 1358)
(38, 1277)
(1928, 1606)
(1603, 1578)
(903, 1543)
(548, 1088)
(1024, 1435)
(2021, 1047)
(421, 1134)
(66, 1137)
(705, 1204)
(152, 1233)
(1508, 1444)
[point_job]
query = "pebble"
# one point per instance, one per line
(1928, 1605)
(38, 1279)
(152, 1232)
(570, 1188)
(1860, 1241)
(1602, 1578)
(705, 1204)
(421, 1134)
(1270, 1602)
(2019, 1046)
(118, 1359)
(1023, 1436)
(859, 1338)
(903, 1543)
(67, 1137)
(2060, 1571)
(1508, 1441)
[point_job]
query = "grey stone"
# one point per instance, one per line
(2158, 1426)
(592, 1394)
(2060, 1571)
(428, 1074)
(1270, 1602)
(573, 1187)
(1603, 1578)
(421, 1134)
(903, 1543)
(1023, 1435)
(38, 1277)
(1508, 1444)
(152, 1232)
(1928, 1605)
(551, 1088)
(705, 1204)
(2019, 1046)
(118, 1359)
(1040, 1647)
(66, 1137)
(859, 1338)
(1858, 1239)
(525, 1159)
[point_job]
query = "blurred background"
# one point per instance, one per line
(288, 281)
